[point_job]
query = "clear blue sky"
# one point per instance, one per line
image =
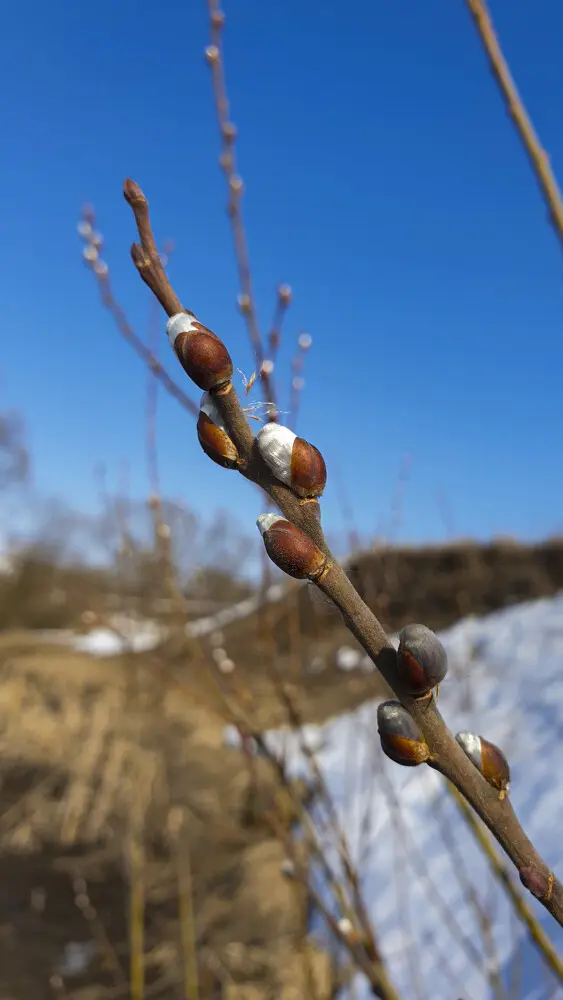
(383, 181)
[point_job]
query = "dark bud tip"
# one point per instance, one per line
(487, 758)
(421, 659)
(290, 549)
(401, 739)
(308, 469)
(216, 443)
(132, 192)
(540, 885)
(204, 357)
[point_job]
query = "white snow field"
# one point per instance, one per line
(416, 855)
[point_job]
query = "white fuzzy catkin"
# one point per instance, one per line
(275, 444)
(265, 521)
(180, 323)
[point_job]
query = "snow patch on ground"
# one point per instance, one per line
(416, 855)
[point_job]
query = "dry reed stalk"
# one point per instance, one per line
(186, 914)
(106, 948)
(136, 857)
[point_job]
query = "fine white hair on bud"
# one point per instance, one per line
(275, 444)
(180, 323)
(288, 868)
(345, 926)
(209, 407)
(472, 746)
(267, 366)
(305, 340)
(265, 521)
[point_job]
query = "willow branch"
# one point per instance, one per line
(446, 755)
(537, 155)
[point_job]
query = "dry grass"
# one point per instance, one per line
(99, 756)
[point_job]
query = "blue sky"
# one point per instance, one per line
(383, 181)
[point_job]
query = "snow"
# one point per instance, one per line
(415, 853)
(125, 633)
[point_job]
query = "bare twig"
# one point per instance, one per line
(446, 755)
(227, 162)
(536, 153)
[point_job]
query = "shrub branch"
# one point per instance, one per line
(445, 754)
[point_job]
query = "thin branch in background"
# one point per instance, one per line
(370, 963)
(151, 449)
(283, 301)
(404, 904)
(388, 533)
(419, 866)
(93, 243)
(227, 161)
(536, 153)
(446, 514)
(480, 909)
(347, 513)
(304, 342)
(398, 499)
(106, 949)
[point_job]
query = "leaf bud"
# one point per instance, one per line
(213, 436)
(200, 352)
(488, 759)
(292, 460)
(421, 660)
(290, 549)
(401, 739)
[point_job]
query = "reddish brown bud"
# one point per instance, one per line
(213, 436)
(401, 739)
(217, 19)
(132, 192)
(200, 352)
(421, 660)
(290, 549)
(488, 759)
(292, 460)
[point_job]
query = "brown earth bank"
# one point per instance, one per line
(120, 806)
